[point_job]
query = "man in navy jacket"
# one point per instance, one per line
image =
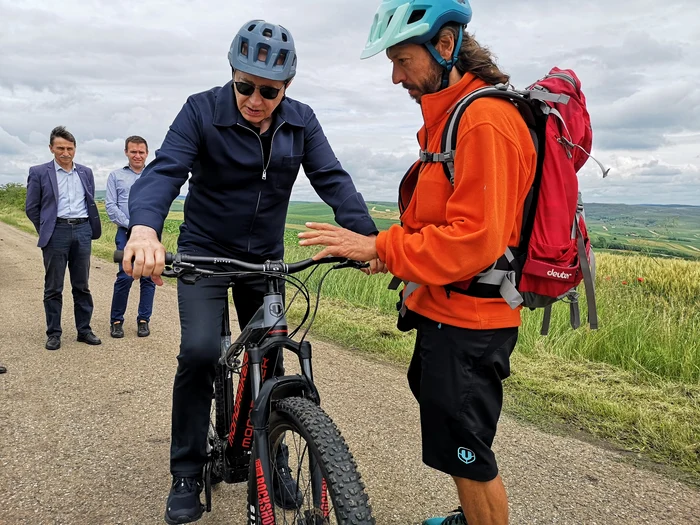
(243, 143)
(61, 205)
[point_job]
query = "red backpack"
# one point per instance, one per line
(554, 254)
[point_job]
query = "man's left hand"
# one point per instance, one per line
(339, 242)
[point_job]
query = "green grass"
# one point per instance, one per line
(634, 383)
(648, 327)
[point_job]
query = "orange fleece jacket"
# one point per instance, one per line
(451, 234)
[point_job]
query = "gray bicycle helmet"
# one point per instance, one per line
(280, 63)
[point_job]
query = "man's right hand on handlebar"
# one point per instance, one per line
(147, 254)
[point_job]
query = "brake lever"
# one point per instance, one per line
(190, 278)
(186, 272)
(169, 272)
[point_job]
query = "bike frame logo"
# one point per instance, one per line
(276, 309)
(466, 456)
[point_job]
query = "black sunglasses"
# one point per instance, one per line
(267, 92)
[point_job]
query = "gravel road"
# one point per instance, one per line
(85, 431)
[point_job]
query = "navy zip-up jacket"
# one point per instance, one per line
(236, 206)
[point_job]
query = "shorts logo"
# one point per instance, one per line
(466, 456)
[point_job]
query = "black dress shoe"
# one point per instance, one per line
(3, 369)
(89, 338)
(116, 330)
(143, 330)
(53, 342)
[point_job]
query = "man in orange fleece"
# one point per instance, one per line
(449, 234)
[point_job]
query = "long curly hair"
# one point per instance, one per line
(473, 57)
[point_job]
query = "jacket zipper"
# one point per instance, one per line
(272, 140)
(262, 150)
(264, 173)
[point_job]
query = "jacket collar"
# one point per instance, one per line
(226, 112)
(437, 106)
(51, 168)
(57, 166)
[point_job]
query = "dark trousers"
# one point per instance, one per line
(201, 312)
(122, 286)
(70, 245)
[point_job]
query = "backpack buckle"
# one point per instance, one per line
(427, 156)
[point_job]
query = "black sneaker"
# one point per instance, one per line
(184, 505)
(286, 491)
(116, 330)
(143, 330)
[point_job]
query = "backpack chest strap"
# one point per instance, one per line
(446, 158)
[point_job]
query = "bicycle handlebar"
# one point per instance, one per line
(268, 266)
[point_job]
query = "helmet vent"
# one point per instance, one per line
(281, 58)
(251, 27)
(417, 15)
(267, 32)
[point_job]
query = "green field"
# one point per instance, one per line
(664, 231)
(652, 230)
(301, 212)
(635, 383)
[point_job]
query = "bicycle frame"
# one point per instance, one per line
(266, 332)
(248, 437)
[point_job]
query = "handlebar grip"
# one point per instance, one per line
(118, 257)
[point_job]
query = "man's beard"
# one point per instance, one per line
(431, 84)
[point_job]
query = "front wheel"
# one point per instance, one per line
(319, 462)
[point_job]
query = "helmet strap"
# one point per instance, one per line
(447, 65)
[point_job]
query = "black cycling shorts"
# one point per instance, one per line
(456, 375)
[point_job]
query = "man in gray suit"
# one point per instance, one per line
(61, 205)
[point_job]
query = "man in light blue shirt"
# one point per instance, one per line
(119, 185)
(61, 205)
(71, 194)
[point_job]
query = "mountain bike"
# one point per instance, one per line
(252, 423)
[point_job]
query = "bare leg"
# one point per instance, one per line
(484, 503)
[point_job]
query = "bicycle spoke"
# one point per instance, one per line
(299, 463)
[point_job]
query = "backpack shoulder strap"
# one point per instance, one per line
(449, 135)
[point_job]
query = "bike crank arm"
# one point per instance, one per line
(208, 466)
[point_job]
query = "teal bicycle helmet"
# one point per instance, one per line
(280, 62)
(416, 22)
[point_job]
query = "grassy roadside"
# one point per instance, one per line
(652, 418)
(634, 384)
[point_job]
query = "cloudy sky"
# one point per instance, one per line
(109, 69)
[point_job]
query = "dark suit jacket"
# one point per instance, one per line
(42, 200)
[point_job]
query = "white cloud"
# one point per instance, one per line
(107, 70)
